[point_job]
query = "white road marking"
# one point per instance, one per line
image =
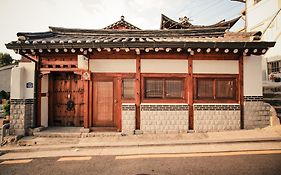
(16, 161)
(74, 158)
(151, 156)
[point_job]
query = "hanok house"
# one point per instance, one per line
(177, 79)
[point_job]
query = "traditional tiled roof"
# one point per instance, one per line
(122, 25)
(168, 23)
(207, 37)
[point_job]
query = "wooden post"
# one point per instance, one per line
(37, 90)
(119, 103)
(241, 90)
(190, 85)
(86, 104)
(91, 102)
(138, 93)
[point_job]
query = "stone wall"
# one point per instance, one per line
(216, 117)
(164, 118)
(128, 118)
(256, 112)
(21, 116)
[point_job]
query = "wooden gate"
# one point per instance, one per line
(66, 100)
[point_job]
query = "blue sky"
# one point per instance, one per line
(37, 15)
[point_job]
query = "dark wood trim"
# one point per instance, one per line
(38, 81)
(108, 75)
(60, 69)
(163, 101)
(190, 85)
(215, 75)
(138, 93)
(241, 91)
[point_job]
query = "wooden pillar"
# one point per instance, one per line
(119, 103)
(86, 104)
(90, 102)
(50, 100)
(138, 92)
(190, 85)
(241, 91)
(37, 90)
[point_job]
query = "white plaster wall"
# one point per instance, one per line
(28, 75)
(44, 101)
(252, 76)
(17, 82)
(164, 66)
(215, 66)
(259, 15)
(112, 65)
(82, 62)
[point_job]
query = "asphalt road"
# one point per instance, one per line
(228, 164)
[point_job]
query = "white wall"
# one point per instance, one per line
(164, 66)
(252, 76)
(44, 100)
(113, 65)
(20, 76)
(17, 82)
(215, 67)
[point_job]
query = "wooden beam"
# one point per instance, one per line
(60, 69)
(241, 91)
(138, 90)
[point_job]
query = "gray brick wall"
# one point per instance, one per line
(213, 117)
(128, 118)
(21, 113)
(256, 114)
(164, 118)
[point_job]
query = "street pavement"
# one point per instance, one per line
(246, 163)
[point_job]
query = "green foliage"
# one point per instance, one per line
(4, 95)
(6, 108)
(5, 59)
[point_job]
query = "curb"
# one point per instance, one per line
(77, 146)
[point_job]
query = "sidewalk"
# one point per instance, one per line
(32, 143)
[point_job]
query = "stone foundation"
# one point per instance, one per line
(256, 112)
(21, 113)
(128, 118)
(216, 117)
(164, 118)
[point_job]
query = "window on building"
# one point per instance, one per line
(164, 88)
(274, 67)
(215, 89)
(128, 88)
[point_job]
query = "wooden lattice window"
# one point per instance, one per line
(164, 88)
(215, 89)
(128, 88)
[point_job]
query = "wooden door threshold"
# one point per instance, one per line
(103, 129)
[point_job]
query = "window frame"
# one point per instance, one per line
(164, 77)
(215, 79)
(122, 90)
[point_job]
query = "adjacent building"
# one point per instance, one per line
(177, 79)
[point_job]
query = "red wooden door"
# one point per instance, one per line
(104, 103)
(66, 100)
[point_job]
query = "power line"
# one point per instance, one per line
(210, 6)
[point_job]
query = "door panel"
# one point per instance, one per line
(103, 103)
(66, 87)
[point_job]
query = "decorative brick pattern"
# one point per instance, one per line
(216, 107)
(253, 98)
(163, 107)
(216, 117)
(128, 107)
(256, 114)
(128, 118)
(21, 116)
(164, 118)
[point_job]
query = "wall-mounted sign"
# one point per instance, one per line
(29, 85)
